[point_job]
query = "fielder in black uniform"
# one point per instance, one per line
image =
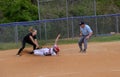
(30, 38)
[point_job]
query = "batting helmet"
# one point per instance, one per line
(56, 49)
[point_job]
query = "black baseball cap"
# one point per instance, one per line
(81, 23)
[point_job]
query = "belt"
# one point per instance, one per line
(84, 35)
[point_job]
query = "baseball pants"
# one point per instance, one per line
(23, 45)
(81, 41)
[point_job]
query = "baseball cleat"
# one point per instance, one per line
(18, 55)
(84, 50)
(31, 52)
(81, 50)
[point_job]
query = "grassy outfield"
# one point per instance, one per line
(106, 38)
(5, 46)
(93, 39)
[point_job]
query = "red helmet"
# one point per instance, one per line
(56, 49)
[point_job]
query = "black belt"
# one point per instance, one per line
(84, 35)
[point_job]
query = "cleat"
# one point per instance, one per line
(31, 52)
(84, 50)
(18, 55)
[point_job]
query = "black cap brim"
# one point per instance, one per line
(81, 23)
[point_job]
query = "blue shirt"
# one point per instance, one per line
(86, 30)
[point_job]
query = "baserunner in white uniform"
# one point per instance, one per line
(48, 51)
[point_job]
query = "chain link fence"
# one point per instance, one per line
(48, 29)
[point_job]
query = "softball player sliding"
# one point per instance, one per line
(48, 51)
(85, 33)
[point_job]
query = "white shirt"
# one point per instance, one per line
(44, 52)
(86, 30)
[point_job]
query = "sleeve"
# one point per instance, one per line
(89, 29)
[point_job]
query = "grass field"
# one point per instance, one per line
(5, 46)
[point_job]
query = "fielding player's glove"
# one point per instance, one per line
(39, 48)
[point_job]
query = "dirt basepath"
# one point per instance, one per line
(101, 60)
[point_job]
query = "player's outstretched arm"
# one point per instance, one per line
(57, 39)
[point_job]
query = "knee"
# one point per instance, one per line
(85, 40)
(79, 43)
(34, 51)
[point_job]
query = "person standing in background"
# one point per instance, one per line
(85, 33)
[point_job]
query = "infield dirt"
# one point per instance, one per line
(101, 60)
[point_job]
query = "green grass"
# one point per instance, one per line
(93, 39)
(105, 38)
(5, 46)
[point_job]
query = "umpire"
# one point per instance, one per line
(85, 33)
